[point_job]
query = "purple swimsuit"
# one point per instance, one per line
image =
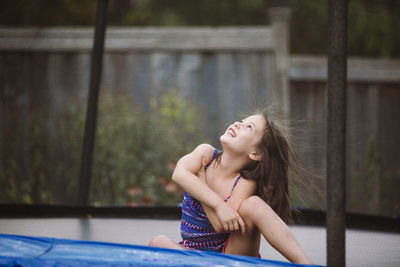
(196, 229)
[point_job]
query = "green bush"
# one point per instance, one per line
(23, 175)
(136, 149)
(135, 152)
(371, 182)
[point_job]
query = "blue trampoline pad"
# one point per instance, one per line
(42, 251)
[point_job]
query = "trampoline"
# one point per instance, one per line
(16, 250)
(366, 246)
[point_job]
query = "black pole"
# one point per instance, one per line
(336, 133)
(91, 115)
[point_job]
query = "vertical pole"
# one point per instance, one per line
(91, 115)
(336, 132)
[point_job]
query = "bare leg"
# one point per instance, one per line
(258, 214)
(164, 242)
(247, 244)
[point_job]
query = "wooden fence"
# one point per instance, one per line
(225, 72)
(373, 127)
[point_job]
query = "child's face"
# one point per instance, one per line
(243, 137)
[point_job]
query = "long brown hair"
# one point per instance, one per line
(273, 170)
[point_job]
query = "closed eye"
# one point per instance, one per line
(248, 125)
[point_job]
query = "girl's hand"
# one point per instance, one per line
(229, 218)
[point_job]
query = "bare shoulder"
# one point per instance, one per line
(204, 150)
(248, 184)
(244, 189)
(193, 161)
(205, 147)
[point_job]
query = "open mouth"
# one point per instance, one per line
(232, 132)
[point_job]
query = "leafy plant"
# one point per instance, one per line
(23, 177)
(370, 182)
(136, 150)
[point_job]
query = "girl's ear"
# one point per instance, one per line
(255, 156)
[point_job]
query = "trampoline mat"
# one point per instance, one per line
(18, 250)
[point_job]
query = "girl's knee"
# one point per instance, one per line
(253, 206)
(159, 241)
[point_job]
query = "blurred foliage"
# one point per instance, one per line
(136, 150)
(135, 153)
(26, 185)
(373, 25)
(370, 183)
(8, 181)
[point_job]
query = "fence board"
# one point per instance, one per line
(139, 39)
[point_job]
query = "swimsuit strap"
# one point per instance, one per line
(211, 161)
(237, 179)
(234, 185)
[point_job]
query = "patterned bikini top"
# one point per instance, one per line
(196, 229)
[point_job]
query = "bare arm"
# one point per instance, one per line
(185, 175)
(243, 190)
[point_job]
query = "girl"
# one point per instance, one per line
(234, 196)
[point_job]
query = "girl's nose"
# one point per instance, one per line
(237, 124)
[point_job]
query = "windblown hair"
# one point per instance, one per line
(273, 170)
